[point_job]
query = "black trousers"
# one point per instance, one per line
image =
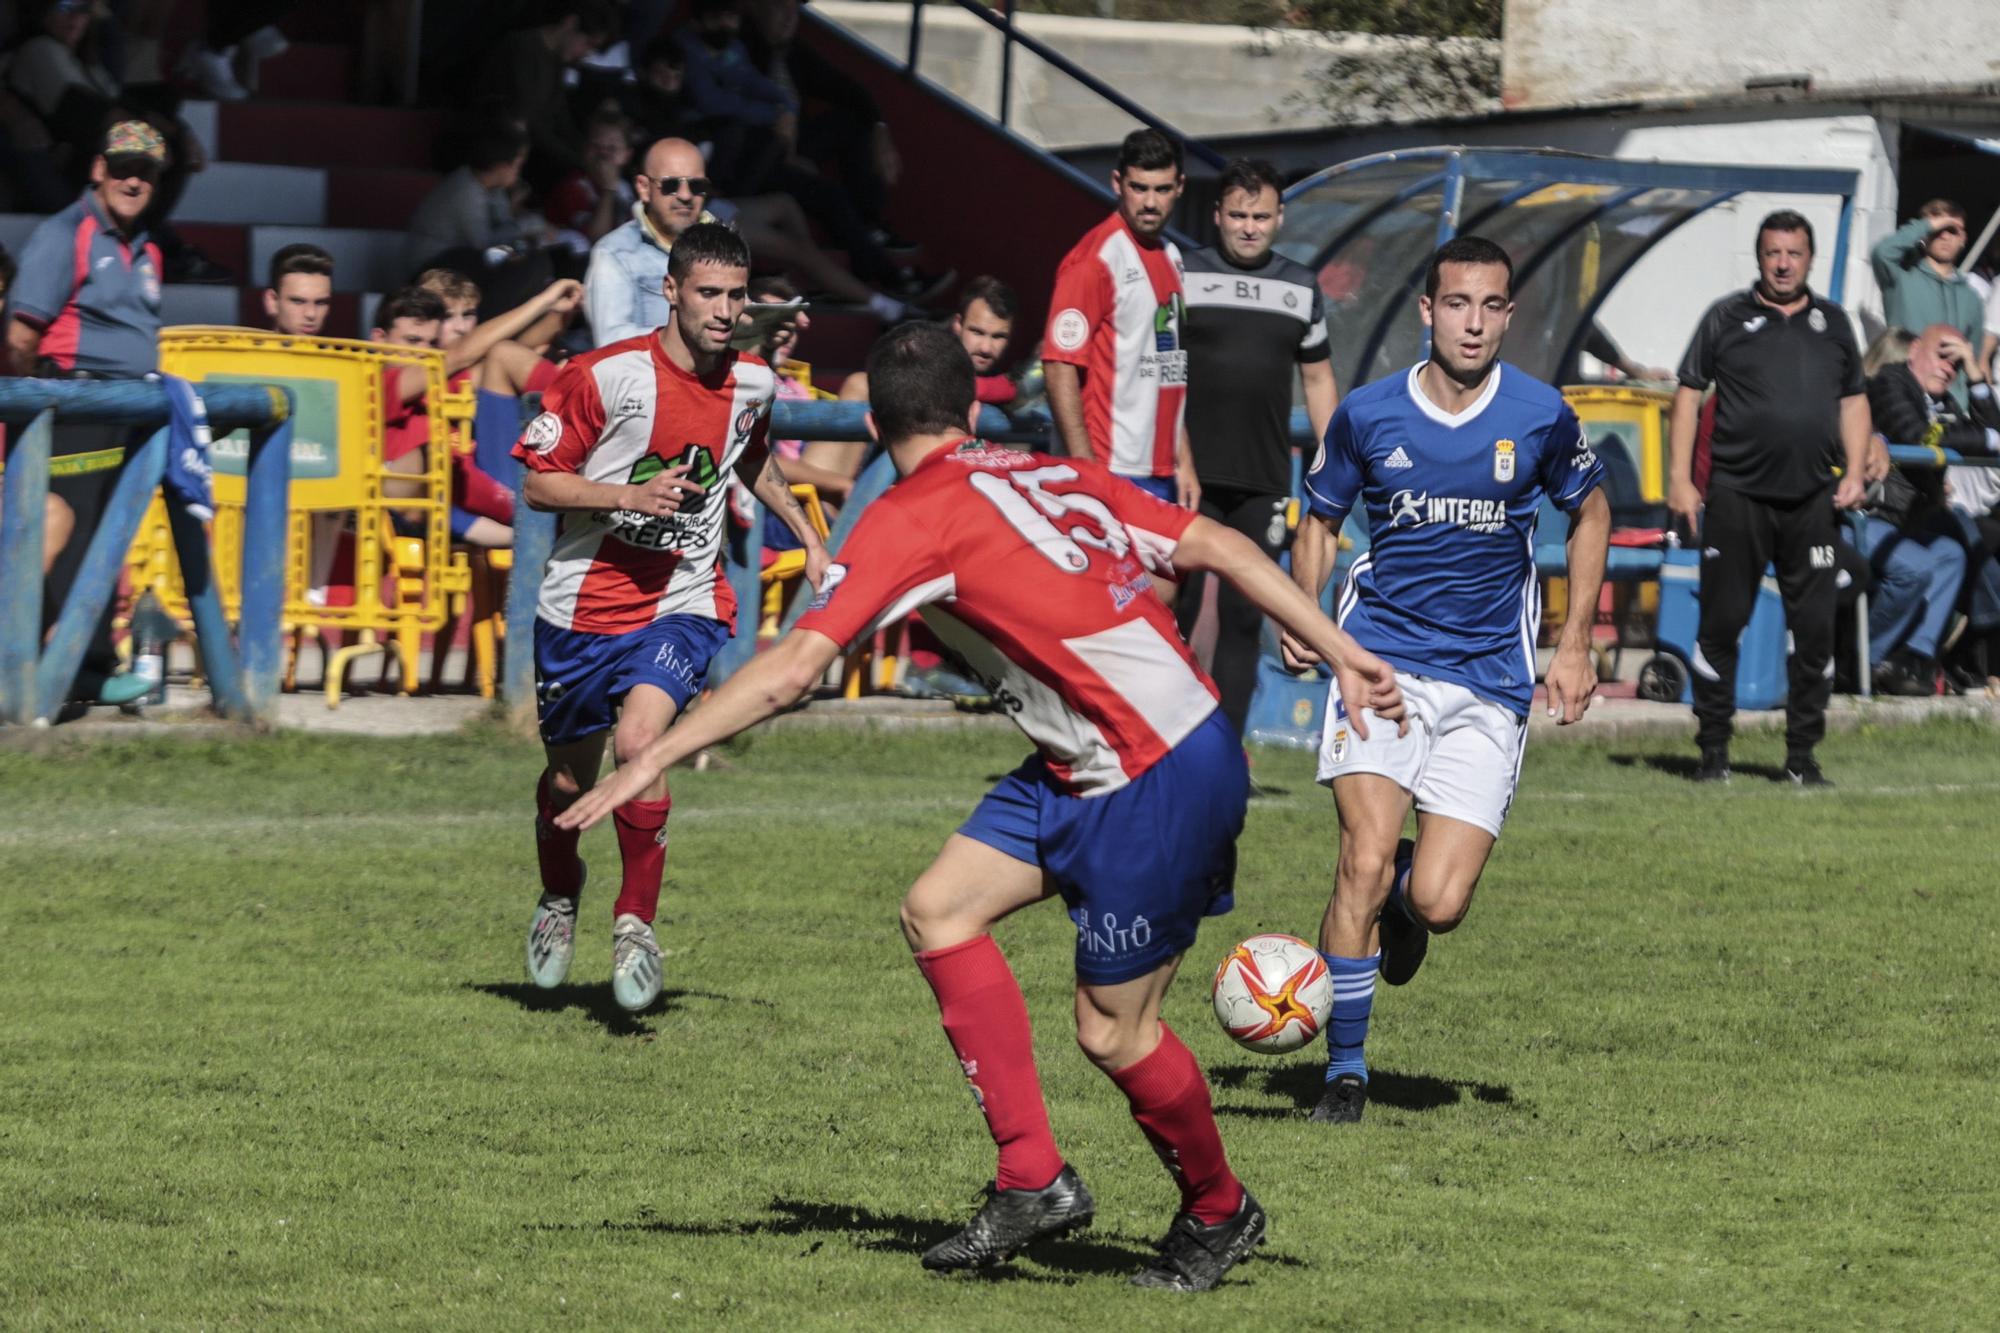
(1739, 536)
(1239, 625)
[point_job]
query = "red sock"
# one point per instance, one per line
(555, 848)
(1170, 1101)
(541, 377)
(642, 845)
(478, 493)
(984, 1016)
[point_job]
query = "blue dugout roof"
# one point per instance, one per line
(1573, 224)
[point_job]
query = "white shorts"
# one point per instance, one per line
(1461, 757)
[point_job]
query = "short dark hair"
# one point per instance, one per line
(1786, 219)
(1467, 250)
(495, 142)
(303, 257)
(594, 18)
(706, 243)
(1942, 208)
(408, 303)
(1252, 175)
(663, 50)
(999, 297)
(773, 284)
(920, 382)
(1148, 150)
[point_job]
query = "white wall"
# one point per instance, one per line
(1558, 53)
(1202, 78)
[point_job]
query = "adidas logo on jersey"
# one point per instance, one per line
(1398, 459)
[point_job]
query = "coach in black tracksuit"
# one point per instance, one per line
(1789, 394)
(1252, 315)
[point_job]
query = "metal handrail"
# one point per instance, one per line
(243, 670)
(1011, 35)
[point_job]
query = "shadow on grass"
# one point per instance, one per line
(1685, 766)
(1300, 1085)
(595, 1003)
(1066, 1260)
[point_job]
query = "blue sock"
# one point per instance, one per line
(496, 424)
(1353, 999)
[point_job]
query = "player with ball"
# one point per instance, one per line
(1036, 570)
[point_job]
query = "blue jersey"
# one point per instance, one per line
(1448, 586)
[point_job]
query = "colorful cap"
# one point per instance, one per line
(135, 138)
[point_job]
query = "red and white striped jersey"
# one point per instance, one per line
(1117, 313)
(621, 415)
(1034, 570)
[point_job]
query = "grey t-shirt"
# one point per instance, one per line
(460, 213)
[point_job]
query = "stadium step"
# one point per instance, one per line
(839, 335)
(253, 192)
(364, 259)
(226, 243)
(308, 71)
(374, 197)
(327, 133)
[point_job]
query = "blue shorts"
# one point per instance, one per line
(1138, 868)
(581, 678)
(1160, 488)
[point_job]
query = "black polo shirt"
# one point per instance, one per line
(1246, 329)
(1778, 384)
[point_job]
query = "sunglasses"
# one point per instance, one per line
(696, 185)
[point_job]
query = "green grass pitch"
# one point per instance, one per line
(267, 1058)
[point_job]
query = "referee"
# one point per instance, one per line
(1789, 394)
(1251, 316)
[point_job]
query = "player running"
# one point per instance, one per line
(1452, 461)
(1034, 568)
(632, 448)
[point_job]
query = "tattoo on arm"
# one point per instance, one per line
(776, 492)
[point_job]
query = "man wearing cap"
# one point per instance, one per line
(88, 301)
(87, 306)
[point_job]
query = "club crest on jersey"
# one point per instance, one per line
(1339, 745)
(1503, 460)
(744, 421)
(1069, 330)
(544, 433)
(1817, 319)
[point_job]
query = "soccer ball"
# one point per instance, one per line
(1273, 993)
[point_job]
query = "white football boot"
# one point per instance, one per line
(635, 963)
(552, 938)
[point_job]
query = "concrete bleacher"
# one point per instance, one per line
(299, 163)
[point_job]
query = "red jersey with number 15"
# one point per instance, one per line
(1034, 570)
(621, 415)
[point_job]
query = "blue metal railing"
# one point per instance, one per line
(1012, 36)
(243, 672)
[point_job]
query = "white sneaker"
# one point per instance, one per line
(213, 72)
(635, 963)
(551, 941)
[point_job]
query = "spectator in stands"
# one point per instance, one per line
(406, 317)
(29, 179)
(1252, 317)
(624, 294)
(527, 72)
(845, 127)
(300, 296)
(1915, 547)
(1916, 267)
(756, 123)
(984, 326)
(587, 203)
(1971, 491)
(57, 519)
(86, 305)
(657, 99)
(471, 211)
(240, 34)
(60, 75)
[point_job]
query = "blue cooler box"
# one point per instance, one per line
(1761, 656)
